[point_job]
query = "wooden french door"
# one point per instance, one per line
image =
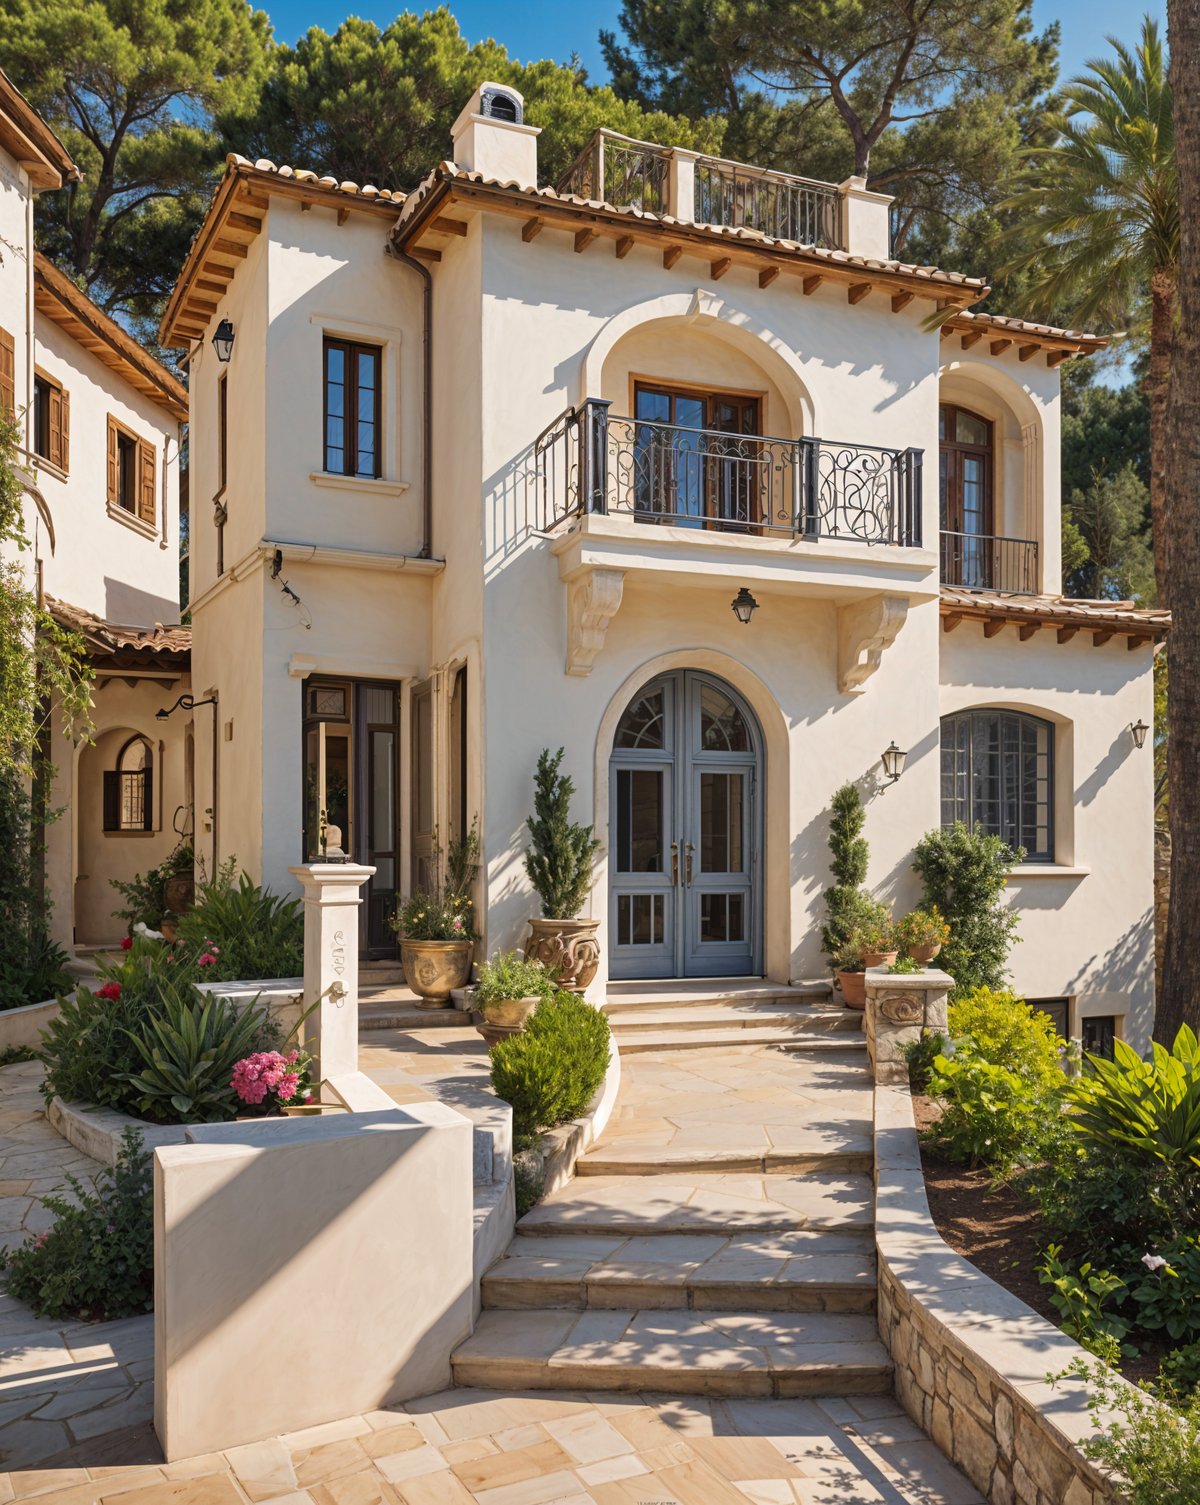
(685, 470)
(965, 458)
(686, 833)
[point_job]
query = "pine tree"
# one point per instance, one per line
(559, 859)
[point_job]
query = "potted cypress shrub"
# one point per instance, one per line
(559, 865)
(856, 921)
(850, 966)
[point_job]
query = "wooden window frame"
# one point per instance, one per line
(953, 449)
(114, 790)
(141, 517)
(712, 516)
(57, 436)
(351, 350)
(8, 375)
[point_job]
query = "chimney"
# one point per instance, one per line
(491, 137)
(866, 221)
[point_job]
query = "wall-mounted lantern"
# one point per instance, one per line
(893, 762)
(1139, 730)
(743, 606)
(223, 341)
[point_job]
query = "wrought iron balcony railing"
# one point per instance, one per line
(981, 561)
(619, 170)
(667, 474)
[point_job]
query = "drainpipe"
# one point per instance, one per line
(427, 380)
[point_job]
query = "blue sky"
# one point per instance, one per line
(555, 28)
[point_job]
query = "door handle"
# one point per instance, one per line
(674, 863)
(688, 865)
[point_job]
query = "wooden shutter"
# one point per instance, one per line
(64, 433)
(54, 399)
(114, 466)
(112, 800)
(146, 508)
(8, 376)
(148, 796)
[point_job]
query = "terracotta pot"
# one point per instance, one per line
(180, 893)
(169, 929)
(880, 958)
(854, 989)
(923, 955)
(433, 968)
(568, 948)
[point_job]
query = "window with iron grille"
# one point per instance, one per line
(129, 789)
(998, 777)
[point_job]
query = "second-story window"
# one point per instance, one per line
(965, 485)
(131, 475)
(998, 777)
(51, 422)
(353, 409)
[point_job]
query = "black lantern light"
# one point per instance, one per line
(1139, 730)
(223, 341)
(893, 762)
(743, 606)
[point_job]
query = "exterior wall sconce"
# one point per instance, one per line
(1139, 730)
(188, 704)
(893, 762)
(743, 606)
(223, 341)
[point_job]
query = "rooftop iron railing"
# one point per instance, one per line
(981, 561)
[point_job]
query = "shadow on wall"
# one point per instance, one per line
(1119, 749)
(528, 494)
(1127, 967)
(127, 606)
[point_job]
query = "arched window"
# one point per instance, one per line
(965, 466)
(129, 788)
(998, 777)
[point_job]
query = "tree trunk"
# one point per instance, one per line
(1162, 334)
(1179, 1000)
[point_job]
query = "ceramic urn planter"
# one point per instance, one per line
(923, 955)
(567, 948)
(854, 989)
(433, 969)
(504, 1017)
(880, 958)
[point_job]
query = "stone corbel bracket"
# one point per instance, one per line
(865, 629)
(593, 599)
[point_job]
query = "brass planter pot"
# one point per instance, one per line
(506, 1016)
(433, 969)
(568, 948)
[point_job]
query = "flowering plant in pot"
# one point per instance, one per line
(436, 927)
(922, 934)
(508, 991)
(267, 1082)
(850, 968)
(559, 865)
(878, 937)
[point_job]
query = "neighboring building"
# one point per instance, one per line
(488, 466)
(101, 428)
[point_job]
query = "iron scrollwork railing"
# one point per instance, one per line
(981, 561)
(778, 204)
(668, 474)
(618, 170)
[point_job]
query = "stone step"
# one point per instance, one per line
(703, 1202)
(798, 1151)
(807, 1018)
(685, 1038)
(736, 1353)
(691, 993)
(803, 1271)
(375, 1015)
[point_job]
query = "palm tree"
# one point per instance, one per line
(1097, 224)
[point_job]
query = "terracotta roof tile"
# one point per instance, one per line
(1025, 326)
(306, 175)
(1121, 616)
(112, 637)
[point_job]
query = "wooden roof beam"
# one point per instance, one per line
(1027, 352)
(972, 339)
(1065, 634)
(767, 276)
(993, 626)
(811, 284)
(901, 300)
(1138, 642)
(1100, 638)
(952, 620)
(232, 248)
(947, 332)
(1056, 357)
(531, 229)
(426, 253)
(671, 255)
(998, 347)
(718, 268)
(857, 291)
(623, 245)
(249, 222)
(1028, 629)
(446, 226)
(584, 237)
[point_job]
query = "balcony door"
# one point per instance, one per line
(965, 455)
(692, 464)
(685, 889)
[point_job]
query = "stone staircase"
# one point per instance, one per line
(718, 1239)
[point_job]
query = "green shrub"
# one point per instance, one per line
(509, 975)
(1179, 1372)
(1167, 1293)
(1084, 1298)
(1151, 1445)
(445, 912)
(188, 1052)
(904, 966)
(529, 1182)
(561, 851)
(1147, 1115)
(964, 873)
(991, 1116)
(32, 966)
(97, 1261)
(849, 907)
(551, 1071)
(145, 894)
(249, 932)
(1098, 1201)
(1004, 1030)
(920, 1056)
(922, 927)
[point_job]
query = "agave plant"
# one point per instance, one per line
(189, 1051)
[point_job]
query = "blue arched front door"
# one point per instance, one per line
(685, 837)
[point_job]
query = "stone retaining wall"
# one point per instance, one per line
(971, 1359)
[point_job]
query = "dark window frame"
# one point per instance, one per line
(351, 350)
(136, 784)
(959, 758)
(953, 510)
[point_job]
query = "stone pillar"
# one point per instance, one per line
(866, 222)
(681, 185)
(332, 895)
(901, 1009)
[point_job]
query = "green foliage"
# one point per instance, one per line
(921, 1055)
(131, 87)
(188, 1051)
(559, 859)
(1001, 1028)
(1167, 1293)
(529, 1182)
(12, 1054)
(854, 917)
(1179, 1372)
(145, 893)
(904, 966)
(1110, 519)
(508, 975)
(1099, 1202)
(447, 912)
(551, 1071)
(922, 927)
(250, 932)
(376, 106)
(964, 873)
(1151, 1445)
(1083, 1299)
(32, 966)
(1147, 1114)
(97, 1261)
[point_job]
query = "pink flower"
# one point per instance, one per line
(207, 960)
(126, 943)
(110, 990)
(40, 1240)
(285, 1088)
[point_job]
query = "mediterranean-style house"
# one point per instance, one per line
(101, 429)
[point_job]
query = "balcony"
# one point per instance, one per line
(666, 475)
(627, 173)
(984, 562)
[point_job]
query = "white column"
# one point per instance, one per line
(681, 185)
(332, 895)
(866, 225)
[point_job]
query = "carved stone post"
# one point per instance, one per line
(902, 1009)
(332, 895)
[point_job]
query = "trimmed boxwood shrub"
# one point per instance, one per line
(551, 1071)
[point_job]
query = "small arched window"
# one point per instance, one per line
(998, 777)
(129, 788)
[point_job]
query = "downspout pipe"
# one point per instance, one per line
(427, 396)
